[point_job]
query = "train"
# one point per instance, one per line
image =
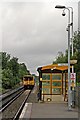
(28, 81)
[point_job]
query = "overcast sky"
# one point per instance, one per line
(34, 31)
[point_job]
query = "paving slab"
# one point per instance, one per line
(49, 110)
(52, 110)
(56, 109)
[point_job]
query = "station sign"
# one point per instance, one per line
(73, 76)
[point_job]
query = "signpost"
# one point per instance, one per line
(73, 76)
(73, 79)
(73, 84)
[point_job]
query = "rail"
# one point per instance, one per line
(8, 99)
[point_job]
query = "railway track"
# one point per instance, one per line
(12, 107)
(7, 98)
(9, 92)
(16, 117)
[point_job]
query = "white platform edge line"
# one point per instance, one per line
(24, 110)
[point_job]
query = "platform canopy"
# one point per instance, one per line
(60, 66)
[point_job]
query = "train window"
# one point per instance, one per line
(28, 78)
(25, 78)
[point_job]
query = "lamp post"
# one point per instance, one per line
(72, 34)
(72, 28)
(68, 29)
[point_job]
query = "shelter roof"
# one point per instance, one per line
(60, 66)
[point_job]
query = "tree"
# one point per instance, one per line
(61, 58)
(77, 52)
(64, 58)
(7, 79)
(5, 58)
(14, 66)
(11, 71)
(23, 70)
(76, 41)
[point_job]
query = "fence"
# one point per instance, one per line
(77, 96)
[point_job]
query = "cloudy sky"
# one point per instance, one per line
(34, 31)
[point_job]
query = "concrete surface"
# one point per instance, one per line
(49, 110)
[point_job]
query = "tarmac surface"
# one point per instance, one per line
(48, 110)
(56, 110)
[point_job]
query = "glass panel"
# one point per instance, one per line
(56, 77)
(66, 76)
(45, 91)
(45, 76)
(56, 83)
(56, 91)
(47, 83)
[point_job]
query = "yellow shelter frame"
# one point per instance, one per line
(53, 80)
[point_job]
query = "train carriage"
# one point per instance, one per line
(28, 82)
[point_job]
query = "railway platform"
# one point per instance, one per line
(54, 110)
(48, 111)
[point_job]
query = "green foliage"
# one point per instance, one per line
(23, 70)
(63, 58)
(5, 59)
(77, 52)
(14, 66)
(7, 78)
(12, 71)
(76, 41)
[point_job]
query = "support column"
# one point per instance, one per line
(62, 83)
(40, 84)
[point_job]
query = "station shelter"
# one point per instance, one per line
(53, 80)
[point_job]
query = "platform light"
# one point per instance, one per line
(69, 82)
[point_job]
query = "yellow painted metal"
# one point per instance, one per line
(51, 85)
(56, 66)
(28, 80)
(62, 81)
